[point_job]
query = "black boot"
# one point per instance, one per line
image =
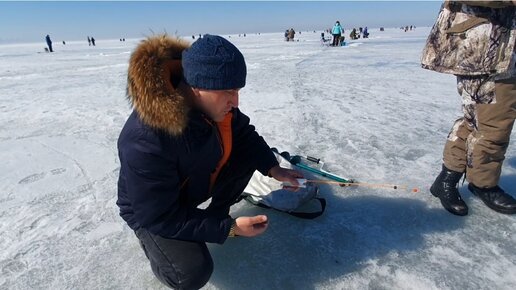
(495, 198)
(445, 188)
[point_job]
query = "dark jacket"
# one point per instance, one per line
(168, 151)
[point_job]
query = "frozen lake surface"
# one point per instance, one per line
(367, 109)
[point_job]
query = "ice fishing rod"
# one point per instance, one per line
(302, 163)
(377, 185)
(302, 183)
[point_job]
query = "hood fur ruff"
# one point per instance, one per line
(154, 72)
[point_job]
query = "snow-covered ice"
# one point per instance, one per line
(367, 109)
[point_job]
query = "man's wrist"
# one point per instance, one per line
(232, 229)
(269, 173)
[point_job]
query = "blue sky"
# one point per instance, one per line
(31, 21)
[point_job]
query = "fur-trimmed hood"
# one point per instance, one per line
(154, 73)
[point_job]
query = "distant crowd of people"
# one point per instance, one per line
(289, 34)
(337, 35)
(361, 33)
(408, 28)
(91, 42)
(337, 32)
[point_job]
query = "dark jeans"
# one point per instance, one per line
(185, 264)
(177, 264)
(336, 39)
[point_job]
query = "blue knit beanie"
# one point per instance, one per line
(213, 63)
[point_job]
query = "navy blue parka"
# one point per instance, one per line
(168, 151)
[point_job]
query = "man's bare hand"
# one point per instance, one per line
(251, 226)
(286, 175)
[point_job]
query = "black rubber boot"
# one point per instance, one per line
(445, 188)
(495, 198)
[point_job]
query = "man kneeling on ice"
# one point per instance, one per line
(186, 141)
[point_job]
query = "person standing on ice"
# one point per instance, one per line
(49, 43)
(366, 33)
(291, 34)
(336, 31)
(187, 141)
(475, 40)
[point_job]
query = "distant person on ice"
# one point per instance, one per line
(366, 33)
(475, 41)
(291, 34)
(185, 142)
(92, 41)
(89, 41)
(336, 31)
(49, 43)
(353, 34)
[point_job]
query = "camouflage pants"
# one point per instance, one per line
(478, 141)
